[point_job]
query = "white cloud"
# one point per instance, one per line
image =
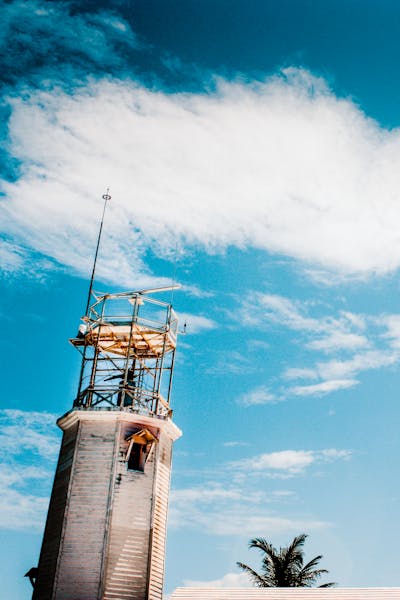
(363, 361)
(392, 323)
(299, 373)
(195, 323)
(263, 308)
(259, 395)
(22, 430)
(11, 257)
(224, 520)
(28, 447)
(282, 493)
(228, 496)
(359, 321)
(325, 387)
(207, 494)
(289, 462)
(23, 497)
(219, 514)
(230, 362)
(358, 343)
(230, 580)
(282, 165)
(21, 510)
(252, 524)
(11, 474)
(339, 340)
(17, 260)
(293, 461)
(329, 334)
(331, 454)
(234, 444)
(258, 345)
(337, 374)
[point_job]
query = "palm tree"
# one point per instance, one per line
(285, 567)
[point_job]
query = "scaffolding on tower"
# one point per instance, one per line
(127, 341)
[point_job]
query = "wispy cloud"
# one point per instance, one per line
(22, 510)
(259, 308)
(353, 343)
(299, 373)
(392, 334)
(228, 496)
(28, 448)
(363, 361)
(195, 323)
(229, 580)
(230, 362)
(337, 374)
(339, 340)
(289, 462)
(326, 333)
(12, 257)
(216, 521)
(219, 511)
(17, 260)
(234, 444)
(324, 387)
(22, 430)
(259, 395)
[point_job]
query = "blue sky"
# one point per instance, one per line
(253, 153)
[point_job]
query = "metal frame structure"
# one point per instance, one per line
(127, 341)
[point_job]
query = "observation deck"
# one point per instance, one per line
(127, 341)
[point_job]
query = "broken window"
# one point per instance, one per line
(139, 449)
(137, 457)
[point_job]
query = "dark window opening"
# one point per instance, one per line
(139, 449)
(137, 457)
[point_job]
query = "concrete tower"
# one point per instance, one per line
(105, 532)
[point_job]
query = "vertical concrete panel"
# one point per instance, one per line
(127, 557)
(159, 519)
(82, 546)
(55, 518)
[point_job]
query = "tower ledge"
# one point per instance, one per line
(102, 415)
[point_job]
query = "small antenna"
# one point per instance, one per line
(106, 197)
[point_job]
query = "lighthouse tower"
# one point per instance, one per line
(105, 532)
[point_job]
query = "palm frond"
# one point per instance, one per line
(257, 579)
(298, 542)
(263, 545)
(312, 563)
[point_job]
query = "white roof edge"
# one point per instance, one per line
(252, 593)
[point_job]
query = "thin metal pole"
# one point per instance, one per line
(157, 383)
(126, 369)
(171, 374)
(105, 197)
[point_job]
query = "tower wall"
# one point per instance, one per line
(105, 532)
(135, 561)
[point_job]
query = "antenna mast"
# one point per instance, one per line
(106, 197)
